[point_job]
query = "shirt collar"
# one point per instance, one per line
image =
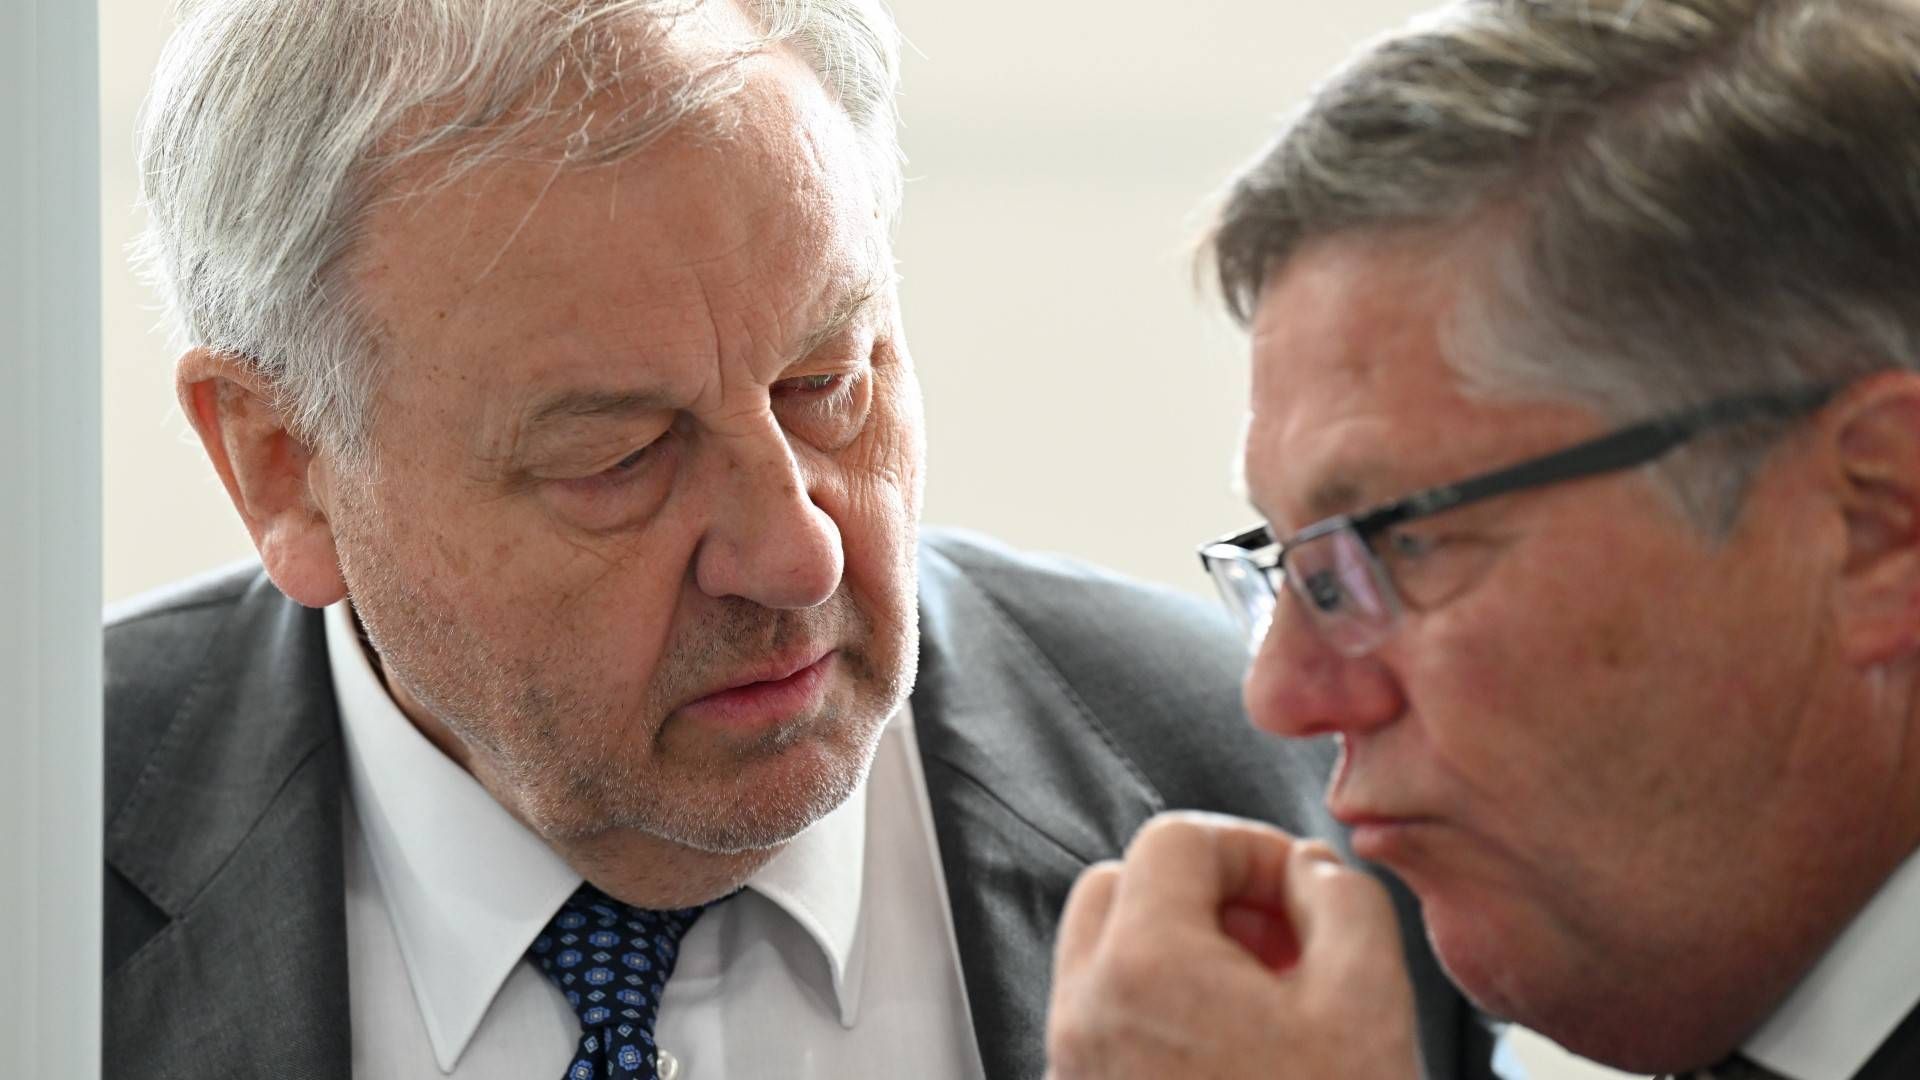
(1861, 989)
(469, 886)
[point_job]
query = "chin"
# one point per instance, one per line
(1490, 950)
(732, 804)
(1510, 965)
(770, 804)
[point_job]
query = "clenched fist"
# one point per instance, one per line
(1223, 948)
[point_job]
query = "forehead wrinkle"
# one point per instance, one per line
(1319, 482)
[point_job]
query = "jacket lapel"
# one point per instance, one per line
(233, 832)
(1025, 792)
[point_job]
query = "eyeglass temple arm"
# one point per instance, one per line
(1623, 449)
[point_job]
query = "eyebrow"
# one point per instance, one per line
(615, 404)
(594, 405)
(1339, 493)
(1334, 495)
(852, 304)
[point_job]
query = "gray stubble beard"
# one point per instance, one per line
(567, 787)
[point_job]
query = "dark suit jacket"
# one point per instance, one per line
(1056, 710)
(1899, 1057)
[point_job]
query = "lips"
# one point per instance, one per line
(1378, 835)
(1354, 816)
(1352, 803)
(769, 695)
(778, 669)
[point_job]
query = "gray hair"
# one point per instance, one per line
(272, 125)
(1684, 198)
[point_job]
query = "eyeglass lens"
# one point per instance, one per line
(1249, 597)
(1343, 589)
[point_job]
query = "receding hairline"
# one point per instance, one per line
(249, 260)
(580, 119)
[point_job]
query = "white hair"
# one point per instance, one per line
(272, 123)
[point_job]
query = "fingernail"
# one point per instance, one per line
(1320, 853)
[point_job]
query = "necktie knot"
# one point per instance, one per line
(611, 961)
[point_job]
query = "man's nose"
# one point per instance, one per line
(769, 541)
(1300, 686)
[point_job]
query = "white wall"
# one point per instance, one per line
(49, 542)
(1080, 396)
(164, 511)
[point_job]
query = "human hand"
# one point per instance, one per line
(1224, 948)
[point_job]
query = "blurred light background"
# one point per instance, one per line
(1082, 395)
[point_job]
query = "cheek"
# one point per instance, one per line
(1611, 688)
(1538, 694)
(894, 447)
(879, 473)
(506, 574)
(875, 496)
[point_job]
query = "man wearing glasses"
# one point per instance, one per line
(1586, 433)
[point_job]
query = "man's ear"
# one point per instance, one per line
(1876, 432)
(269, 473)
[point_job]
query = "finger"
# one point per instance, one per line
(1185, 867)
(1265, 933)
(1085, 916)
(1341, 915)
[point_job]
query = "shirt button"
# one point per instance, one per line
(669, 1066)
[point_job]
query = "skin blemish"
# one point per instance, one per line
(1612, 656)
(456, 559)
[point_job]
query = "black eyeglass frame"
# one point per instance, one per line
(1628, 447)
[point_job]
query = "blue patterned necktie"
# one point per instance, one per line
(612, 960)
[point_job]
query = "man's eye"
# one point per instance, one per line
(1324, 589)
(608, 479)
(629, 463)
(1430, 567)
(828, 411)
(810, 384)
(622, 494)
(1407, 546)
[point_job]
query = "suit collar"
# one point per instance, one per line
(1899, 1057)
(1026, 790)
(233, 832)
(1856, 995)
(998, 714)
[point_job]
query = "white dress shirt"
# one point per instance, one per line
(1867, 982)
(839, 961)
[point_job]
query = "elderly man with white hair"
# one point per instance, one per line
(550, 353)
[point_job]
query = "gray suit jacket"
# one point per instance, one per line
(1056, 710)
